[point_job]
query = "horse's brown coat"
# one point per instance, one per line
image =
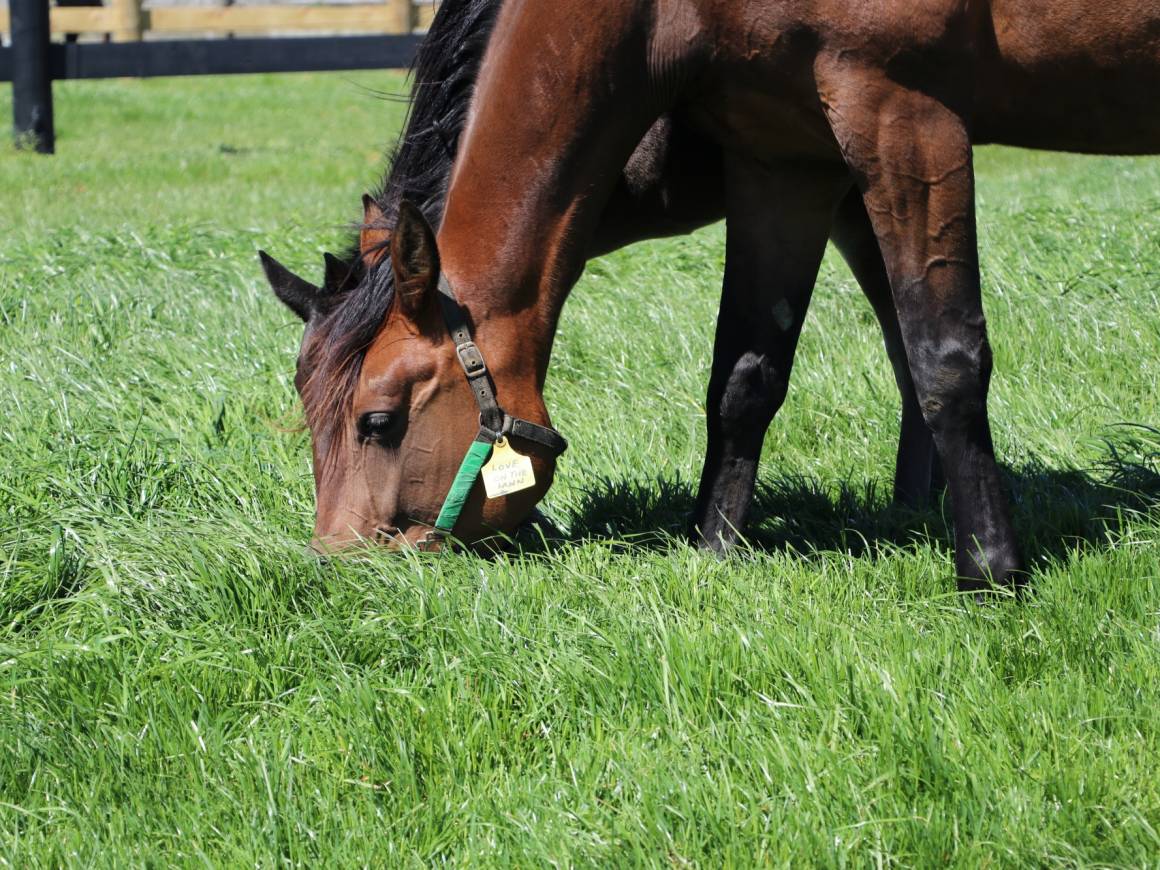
(806, 99)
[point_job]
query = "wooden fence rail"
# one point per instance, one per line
(34, 61)
(127, 21)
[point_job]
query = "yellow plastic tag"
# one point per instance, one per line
(507, 471)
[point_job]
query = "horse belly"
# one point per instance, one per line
(1075, 75)
(765, 125)
(760, 98)
(764, 98)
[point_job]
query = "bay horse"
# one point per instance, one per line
(673, 184)
(807, 102)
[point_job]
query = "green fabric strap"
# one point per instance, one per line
(477, 455)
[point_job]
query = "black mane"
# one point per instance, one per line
(443, 79)
(444, 75)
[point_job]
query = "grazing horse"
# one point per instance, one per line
(672, 184)
(807, 102)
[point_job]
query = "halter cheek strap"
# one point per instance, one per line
(493, 422)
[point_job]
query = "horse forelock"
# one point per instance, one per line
(334, 353)
(443, 80)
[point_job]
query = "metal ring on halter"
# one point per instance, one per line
(489, 434)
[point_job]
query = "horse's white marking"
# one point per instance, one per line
(783, 315)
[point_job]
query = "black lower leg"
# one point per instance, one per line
(745, 392)
(778, 222)
(918, 187)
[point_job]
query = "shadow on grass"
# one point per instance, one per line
(1056, 510)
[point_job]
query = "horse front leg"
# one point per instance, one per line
(917, 470)
(778, 220)
(913, 154)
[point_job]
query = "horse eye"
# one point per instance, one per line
(375, 426)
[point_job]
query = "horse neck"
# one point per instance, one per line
(535, 166)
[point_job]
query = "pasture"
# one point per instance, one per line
(181, 684)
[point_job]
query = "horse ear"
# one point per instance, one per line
(415, 260)
(375, 235)
(298, 294)
(340, 275)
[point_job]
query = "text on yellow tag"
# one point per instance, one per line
(507, 471)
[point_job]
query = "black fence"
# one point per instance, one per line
(33, 62)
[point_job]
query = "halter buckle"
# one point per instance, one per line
(471, 359)
(432, 542)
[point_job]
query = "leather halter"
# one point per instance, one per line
(494, 423)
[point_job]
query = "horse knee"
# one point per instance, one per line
(952, 388)
(753, 392)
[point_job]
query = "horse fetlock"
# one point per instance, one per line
(989, 568)
(714, 534)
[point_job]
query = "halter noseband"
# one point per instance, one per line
(494, 424)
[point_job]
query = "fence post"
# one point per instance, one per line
(127, 17)
(31, 76)
(403, 16)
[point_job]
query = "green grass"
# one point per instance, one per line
(180, 683)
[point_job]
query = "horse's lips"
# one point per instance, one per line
(417, 536)
(334, 545)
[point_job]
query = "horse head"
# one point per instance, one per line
(402, 407)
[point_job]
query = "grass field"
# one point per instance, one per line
(181, 684)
